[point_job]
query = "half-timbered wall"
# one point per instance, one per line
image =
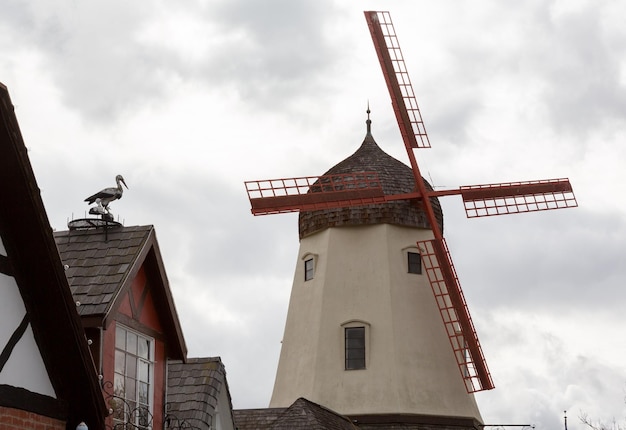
(21, 365)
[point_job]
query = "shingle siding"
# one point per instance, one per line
(395, 178)
(97, 266)
(302, 414)
(194, 390)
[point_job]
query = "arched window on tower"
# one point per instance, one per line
(413, 260)
(310, 263)
(356, 344)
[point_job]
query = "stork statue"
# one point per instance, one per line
(104, 197)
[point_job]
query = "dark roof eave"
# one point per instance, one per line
(27, 236)
(181, 346)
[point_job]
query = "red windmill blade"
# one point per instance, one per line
(480, 200)
(308, 193)
(362, 188)
(398, 81)
(314, 192)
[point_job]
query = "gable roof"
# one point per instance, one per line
(34, 262)
(101, 266)
(194, 389)
(302, 414)
(256, 419)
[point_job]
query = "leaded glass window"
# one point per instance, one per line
(133, 379)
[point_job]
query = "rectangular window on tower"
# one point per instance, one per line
(415, 262)
(132, 383)
(309, 269)
(355, 348)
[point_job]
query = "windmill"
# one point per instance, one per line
(364, 188)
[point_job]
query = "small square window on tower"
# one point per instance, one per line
(415, 262)
(309, 269)
(355, 348)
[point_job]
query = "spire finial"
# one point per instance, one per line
(369, 121)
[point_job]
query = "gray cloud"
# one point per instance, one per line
(582, 64)
(528, 351)
(113, 63)
(543, 260)
(568, 64)
(91, 54)
(271, 55)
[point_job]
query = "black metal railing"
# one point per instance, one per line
(129, 415)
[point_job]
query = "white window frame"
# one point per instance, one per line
(150, 361)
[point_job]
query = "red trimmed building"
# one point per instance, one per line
(118, 281)
(88, 324)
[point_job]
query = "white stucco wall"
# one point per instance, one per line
(361, 274)
(25, 367)
(222, 417)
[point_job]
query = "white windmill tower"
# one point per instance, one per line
(365, 335)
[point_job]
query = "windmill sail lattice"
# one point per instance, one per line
(398, 80)
(314, 192)
(455, 315)
(517, 197)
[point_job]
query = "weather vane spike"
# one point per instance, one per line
(104, 197)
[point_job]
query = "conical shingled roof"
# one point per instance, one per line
(396, 178)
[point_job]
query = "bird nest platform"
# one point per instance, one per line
(92, 223)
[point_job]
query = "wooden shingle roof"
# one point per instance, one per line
(101, 266)
(97, 266)
(193, 391)
(302, 414)
(256, 419)
(395, 178)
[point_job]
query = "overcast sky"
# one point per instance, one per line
(189, 99)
